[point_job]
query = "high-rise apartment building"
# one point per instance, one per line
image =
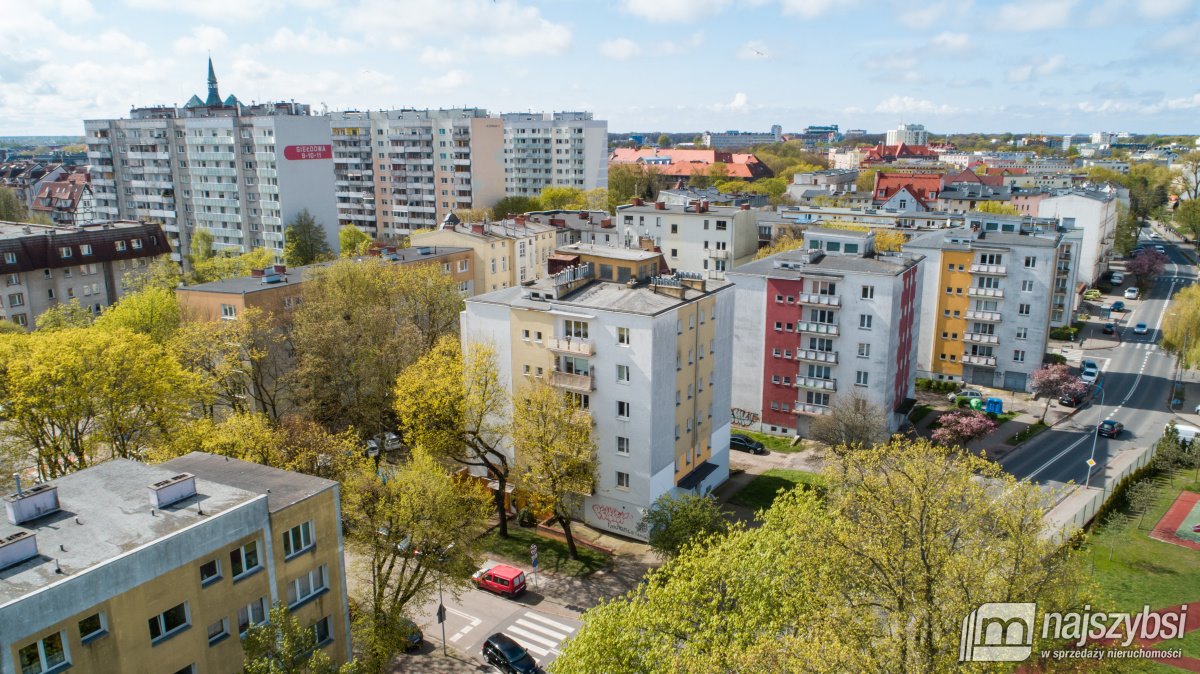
(560, 149)
(908, 134)
(125, 567)
(242, 172)
(648, 356)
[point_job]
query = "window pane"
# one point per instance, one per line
(175, 617)
(208, 570)
(155, 628)
(89, 625)
(251, 554)
(30, 662)
(235, 563)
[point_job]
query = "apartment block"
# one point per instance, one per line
(1094, 214)
(241, 172)
(397, 171)
(908, 134)
(126, 567)
(560, 149)
(697, 237)
(67, 201)
(505, 253)
(987, 319)
(44, 265)
(647, 355)
(814, 325)
(737, 140)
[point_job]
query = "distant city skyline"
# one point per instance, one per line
(1026, 66)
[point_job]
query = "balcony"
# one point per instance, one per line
(718, 254)
(990, 316)
(572, 345)
(818, 328)
(582, 383)
(985, 292)
(989, 361)
(822, 300)
(812, 355)
(992, 269)
(980, 338)
(816, 384)
(809, 408)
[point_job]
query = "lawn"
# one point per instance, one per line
(552, 554)
(1144, 571)
(761, 491)
(773, 443)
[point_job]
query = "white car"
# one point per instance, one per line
(1090, 373)
(1161, 249)
(1141, 329)
(1118, 278)
(1131, 293)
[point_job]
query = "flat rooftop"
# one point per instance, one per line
(18, 229)
(282, 487)
(881, 264)
(602, 295)
(630, 254)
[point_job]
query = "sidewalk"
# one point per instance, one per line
(1077, 505)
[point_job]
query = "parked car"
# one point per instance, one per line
(1187, 433)
(1072, 400)
(1131, 293)
(1109, 428)
(1155, 236)
(1109, 328)
(1140, 329)
(413, 635)
(501, 579)
(1119, 305)
(1161, 249)
(965, 393)
(743, 443)
(372, 448)
(391, 441)
(1117, 278)
(1091, 294)
(505, 654)
(1089, 372)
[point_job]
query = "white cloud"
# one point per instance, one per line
(1026, 15)
(753, 50)
(434, 56)
(904, 105)
(948, 41)
(201, 40)
(1038, 67)
(450, 81)
(740, 103)
(674, 11)
(494, 27)
(310, 41)
(811, 9)
(228, 11)
(672, 47)
(1162, 9)
(73, 10)
(620, 49)
(931, 13)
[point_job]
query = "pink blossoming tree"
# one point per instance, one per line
(961, 426)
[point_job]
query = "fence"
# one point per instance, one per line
(1086, 509)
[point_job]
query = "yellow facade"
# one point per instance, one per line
(953, 297)
(530, 331)
(493, 256)
(694, 344)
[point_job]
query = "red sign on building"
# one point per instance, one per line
(294, 152)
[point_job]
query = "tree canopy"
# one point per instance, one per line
(353, 242)
(674, 521)
(304, 241)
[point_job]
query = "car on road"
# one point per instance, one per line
(413, 637)
(744, 443)
(501, 579)
(1109, 428)
(1071, 400)
(505, 654)
(1140, 329)
(1161, 249)
(965, 393)
(1131, 293)
(1118, 306)
(1117, 278)
(1089, 371)
(1109, 328)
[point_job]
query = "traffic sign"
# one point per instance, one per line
(441, 613)
(1091, 463)
(533, 550)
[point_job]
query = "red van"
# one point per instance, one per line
(501, 579)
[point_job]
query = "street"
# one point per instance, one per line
(1133, 389)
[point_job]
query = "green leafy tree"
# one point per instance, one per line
(664, 140)
(1188, 179)
(718, 171)
(674, 521)
(64, 315)
(1181, 327)
(12, 209)
(304, 241)
(626, 181)
(218, 267)
(200, 246)
(162, 272)
(353, 242)
(997, 207)
(557, 197)
(510, 206)
(1126, 236)
(866, 180)
(153, 311)
(1187, 216)
(283, 646)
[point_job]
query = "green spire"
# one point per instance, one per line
(214, 97)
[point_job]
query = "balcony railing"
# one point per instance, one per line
(989, 361)
(809, 408)
(816, 383)
(572, 345)
(823, 300)
(992, 316)
(974, 291)
(993, 269)
(583, 383)
(718, 254)
(980, 338)
(818, 328)
(817, 356)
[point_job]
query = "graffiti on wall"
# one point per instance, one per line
(743, 418)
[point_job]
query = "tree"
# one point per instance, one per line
(283, 646)
(865, 181)
(627, 181)
(1181, 327)
(455, 406)
(1188, 179)
(890, 240)
(211, 350)
(1147, 266)
(554, 198)
(699, 179)
(673, 522)
(959, 427)
(1126, 235)
(153, 311)
(1187, 216)
(876, 575)
(1171, 452)
(852, 423)
(664, 140)
(240, 435)
(784, 241)
(353, 242)
(1054, 382)
(218, 267)
(718, 171)
(1140, 496)
(200, 246)
(997, 208)
(12, 209)
(515, 205)
(162, 272)
(555, 453)
(414, 528)
(304, 241)
(62, 316)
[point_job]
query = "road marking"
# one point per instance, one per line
(1056, 457)
(536, 638)
(538, 628)
(472, 620)
(552, 623)
(538, 634)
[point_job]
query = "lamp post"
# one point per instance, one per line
(1095, 437)
(441, 600)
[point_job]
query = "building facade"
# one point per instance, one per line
(1092, 212)
(697, 237)
(504, 254)
(817, 325)
(908, 134)
(67, 202)
(647, 355)
(110, 568)
(736, 140)
(560, 149)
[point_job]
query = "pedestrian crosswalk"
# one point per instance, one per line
(539, 634)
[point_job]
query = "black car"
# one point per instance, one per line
(1109, 328)
(412, 634)
(1071, 400)
(743, 443)
(500, 651)
(1109, 428)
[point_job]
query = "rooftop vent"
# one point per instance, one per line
(172, 490)
(30, 504)
(17, 548)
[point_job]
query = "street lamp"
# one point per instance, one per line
(1095, 437)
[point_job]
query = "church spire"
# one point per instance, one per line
(214, 97)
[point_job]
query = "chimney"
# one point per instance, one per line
(280, 269)
(745, 206)
(30, 504)
(583, 215)
(637, 202)
(17, 548)
(704, 206)
(477, 228)
(256, 273)
(172, 490)
(660, 206)
(520, 219)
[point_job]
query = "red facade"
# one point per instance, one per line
(786, 340)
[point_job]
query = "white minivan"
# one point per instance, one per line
(1187, 433)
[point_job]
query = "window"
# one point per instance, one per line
(622, 480)
(92, 627)
(85, 249)
(862, 378)
(1023, 309)
(462, 265)
(1022, 333)
(576, 329)
(525, 335)
(864, 350)
(244, 560)
(210, 571)
(674, 230)
(170, 621)
(305, 587)
(254, 613)
(218, 631)
(1027, 286)
(622, 409)
(1030, 262)
(298, 539)
(43, 655)
(868, 292)
(322, 631)
(228, 311)
(65, 252)
(1018, 356)
(622, 445)
(623, 373)
(623, 336)
(10, 258)
(120, 247)
(16, 300)
(864, 321)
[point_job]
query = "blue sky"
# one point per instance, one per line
(1041, 66)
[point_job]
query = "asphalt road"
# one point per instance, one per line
(1133, 389)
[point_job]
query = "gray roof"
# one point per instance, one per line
(604, 295)
(830, 231)
(885, 265)
(634, 254)
(282, 487)
(939, 239)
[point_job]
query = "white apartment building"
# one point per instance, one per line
(815, 325)
(737, 140)
(650, 360)
(698, 237)
(241, 172)
(908, 134)
(560, 149)
(401, 170)
(1095, 214)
